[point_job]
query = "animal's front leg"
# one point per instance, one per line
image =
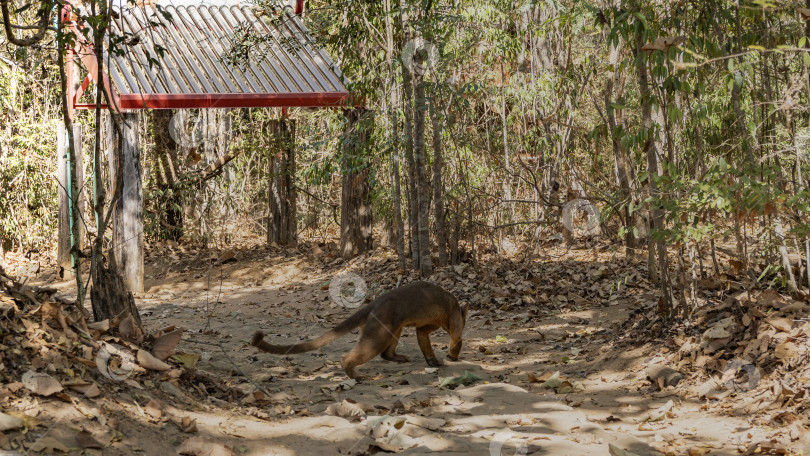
(455, 349)
(423, 337)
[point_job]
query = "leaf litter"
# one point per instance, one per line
(742, 352)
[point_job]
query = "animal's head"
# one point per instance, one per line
(457, 322)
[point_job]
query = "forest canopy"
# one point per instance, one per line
(682, 126)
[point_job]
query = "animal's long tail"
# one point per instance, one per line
(325, 339)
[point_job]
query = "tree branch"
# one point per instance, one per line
(41, 28)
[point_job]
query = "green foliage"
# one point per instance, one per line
(539, 102)
(27, 164)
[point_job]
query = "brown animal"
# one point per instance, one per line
(422, 305)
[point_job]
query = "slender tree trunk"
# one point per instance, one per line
(507, 160)
(438, 187)
(67, 198)
(800, 179)
(413, 211)
(397, 196)
(656, 214)
(282, 221)
(620, 156)
(410, 114)
(783, 252)
(72, 187)
(421, 184)
(745, 137)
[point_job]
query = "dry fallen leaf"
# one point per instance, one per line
(198, 446)
(189, 360)
(154, 408)
(433, 424)
(786, 351)
(89, 390)
(41, 383)
(538, 378)
(720, 330)
(49, 443)
(616, 451)
(345, 409)
(226, 256)
(553, 382)
(186, 424)
(85, 440)
(8, 422)
(782, 324)
(165, 344)
(385, 432)
(660, 413)
(770, 298)
(146, 360)
(663, 375)
(129, 330)
(795, 307)
(102, 326)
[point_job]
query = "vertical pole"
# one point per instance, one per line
(66, 198)
(128, 218)
(64, 238)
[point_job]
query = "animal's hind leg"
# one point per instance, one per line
(374, 339)
(390, 353)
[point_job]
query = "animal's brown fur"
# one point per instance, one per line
(422, 305)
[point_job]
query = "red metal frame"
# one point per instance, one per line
(78, 95)
(87, 55)
(239, 100)
(89, 106)
(184, 101)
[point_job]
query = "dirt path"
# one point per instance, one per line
(512, 343)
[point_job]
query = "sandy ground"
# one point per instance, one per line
(508, 344)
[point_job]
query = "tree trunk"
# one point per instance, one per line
(799, 154)
(438, 186)
(421, 185)
(620, 155)
(63, 178)
(400, 225)
(783, 253)
(216, 136)
(166, 151)
(355, 199)
(282, 227)
(128, 219)
(397, 196)
(72, 187)
(408, 111)
(650, 147)
(110, 297)
(746, 139)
